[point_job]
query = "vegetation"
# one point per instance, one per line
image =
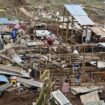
(45, 92)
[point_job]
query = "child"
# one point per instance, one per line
(65, 87)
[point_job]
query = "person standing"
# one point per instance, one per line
(13, 34)
(65, 87)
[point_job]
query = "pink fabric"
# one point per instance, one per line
(65, 87)
(17, 26)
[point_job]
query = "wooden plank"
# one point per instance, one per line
(10, 73)
(11, 69)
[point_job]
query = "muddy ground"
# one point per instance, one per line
(27, 97)
(14, 98)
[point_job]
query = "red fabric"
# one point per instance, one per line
(49, 41)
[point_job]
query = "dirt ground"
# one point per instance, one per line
(26, 98)
(14, 98)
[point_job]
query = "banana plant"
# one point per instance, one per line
(46, 89)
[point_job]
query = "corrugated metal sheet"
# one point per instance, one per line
(84, 20)
(30, 82)
(98, 31)
(60, 98)
(90, 97)
(79, 89)
(79, 14)
(75, 10)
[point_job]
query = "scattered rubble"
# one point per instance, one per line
(49, 49)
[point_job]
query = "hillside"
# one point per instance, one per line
(94, 9)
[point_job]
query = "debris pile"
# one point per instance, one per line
(58, 58)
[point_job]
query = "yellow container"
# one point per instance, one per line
(13, 80)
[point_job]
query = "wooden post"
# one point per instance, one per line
(83, 69)
(82, 34)
(86, 32)
(72, 26)
(63, 20)
(67, 27)
(17, 14)
(57, 26)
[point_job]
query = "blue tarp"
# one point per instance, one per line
(4, 21)
(3, 78)
(14, 22)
